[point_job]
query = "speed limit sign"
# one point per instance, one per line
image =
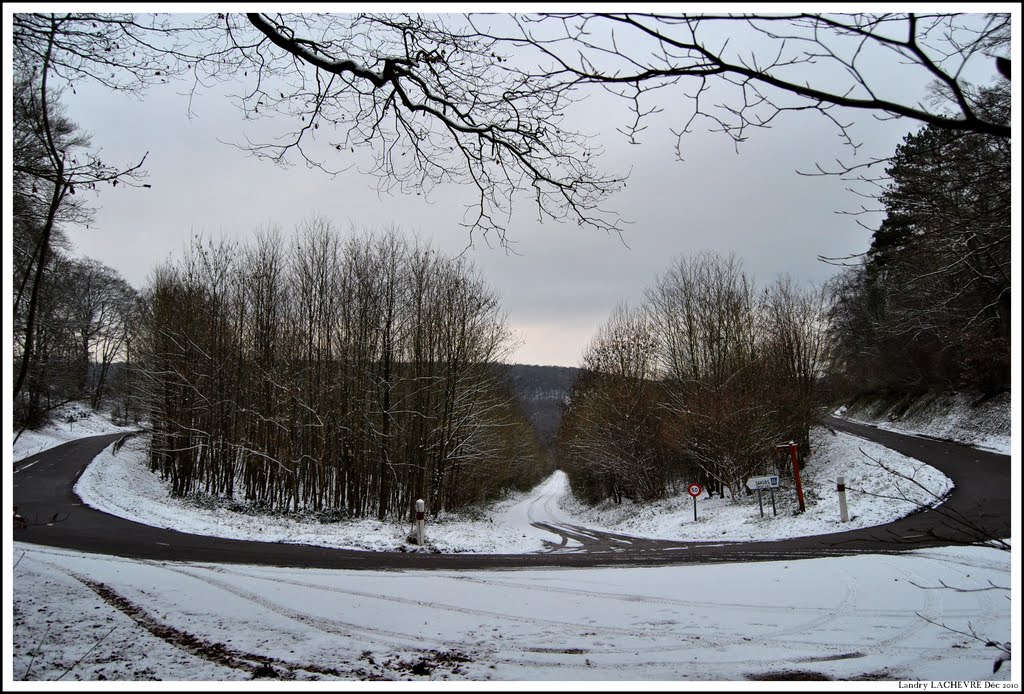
(695, 490)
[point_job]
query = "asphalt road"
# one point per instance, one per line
(979, 505)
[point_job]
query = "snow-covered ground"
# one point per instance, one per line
(72, 421)
(881, 484)
(123, 485)
(952, 416)
(89, 617)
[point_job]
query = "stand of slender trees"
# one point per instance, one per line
(698, 384)
(350, 374)
(71, 318)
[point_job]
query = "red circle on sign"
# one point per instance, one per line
(695, 489)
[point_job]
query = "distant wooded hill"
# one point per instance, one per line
(542, 391)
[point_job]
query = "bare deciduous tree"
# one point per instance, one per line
(59, 164)
(611, 446)
(705, 311)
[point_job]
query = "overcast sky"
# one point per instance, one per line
(562, 280)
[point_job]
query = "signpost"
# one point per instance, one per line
(695, 490)
(766, 482)
(769, 482)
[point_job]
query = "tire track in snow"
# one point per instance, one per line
(416, 642)
(831, 615)
(703, 639)
(661, 600)
(569, 627)
(217, 653)
(845, 609)
(577, 656)
(946, 560)
(444, 607)
(327, 625)
(918, 624)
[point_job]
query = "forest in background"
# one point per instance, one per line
(698, 383)
(250, 388)
(710, 373)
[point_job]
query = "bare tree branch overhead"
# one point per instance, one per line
(481, 100)
(777, 63)
(433, 102)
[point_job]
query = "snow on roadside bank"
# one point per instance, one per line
(72, 421)
(952, 416)
(123, 485)
(874, 496)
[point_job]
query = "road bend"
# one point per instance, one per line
(978, 507)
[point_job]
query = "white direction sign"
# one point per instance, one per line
(767, 482)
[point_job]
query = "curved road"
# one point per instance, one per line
(43, 490)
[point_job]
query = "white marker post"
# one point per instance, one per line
(844, 515)
(420, 506)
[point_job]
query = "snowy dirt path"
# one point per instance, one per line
(541, 514)
(852, 617)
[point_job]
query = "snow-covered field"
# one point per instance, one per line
(76, 616)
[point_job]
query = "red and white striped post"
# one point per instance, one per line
(844, 515)
(420, 508)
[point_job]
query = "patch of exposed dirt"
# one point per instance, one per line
(827, 658)
(434, 664)
(787, 676)
(875, 676)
